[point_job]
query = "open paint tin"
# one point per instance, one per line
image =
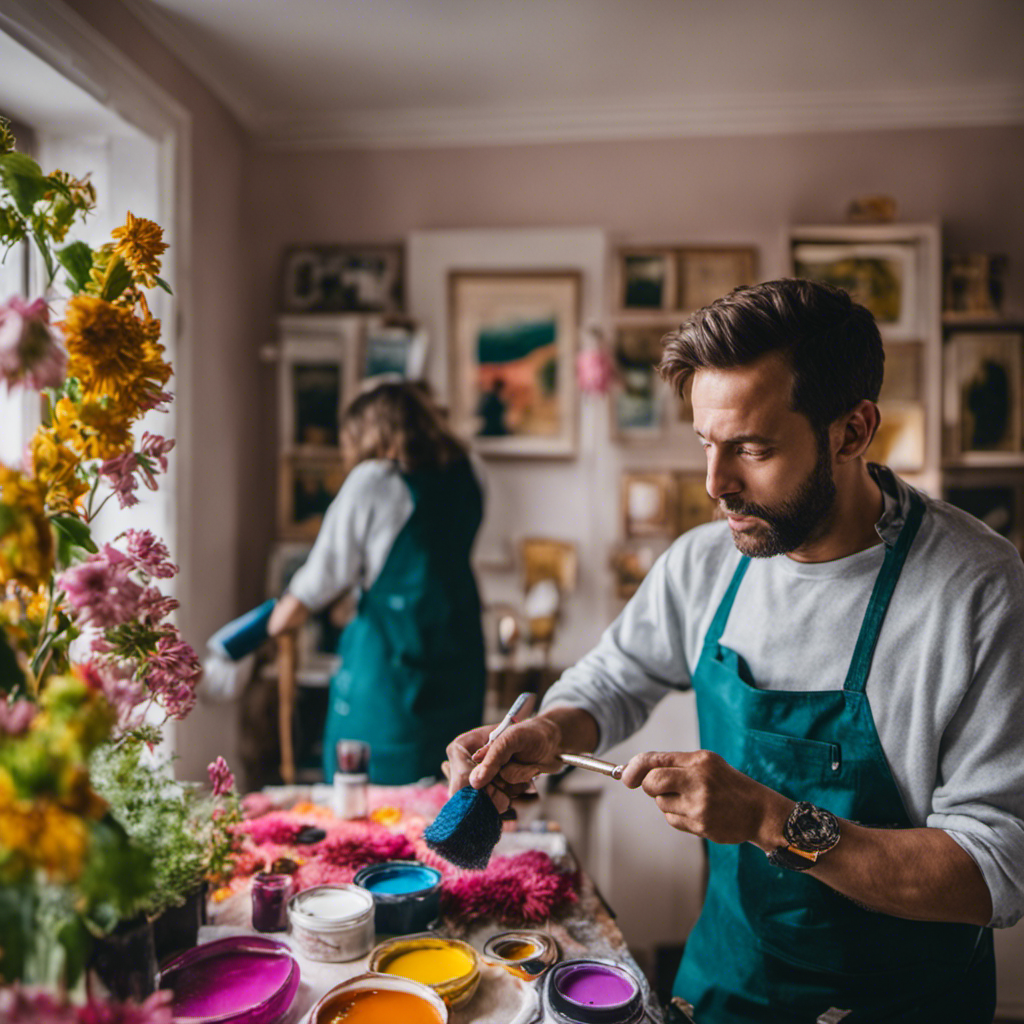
(590, 991)
(332, 922)
(406, 894)
(525, 954)
(380, 999)
(448, 966)
(243, 979)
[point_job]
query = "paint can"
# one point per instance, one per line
(592, 991)
(332, 923)
(380, 999)
(448, 966)
(406, 894)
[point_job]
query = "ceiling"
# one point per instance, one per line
(437, 72)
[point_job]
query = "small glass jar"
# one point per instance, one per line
(270, 895)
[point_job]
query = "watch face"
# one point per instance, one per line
(811, 828)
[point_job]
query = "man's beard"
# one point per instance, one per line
(797, 520)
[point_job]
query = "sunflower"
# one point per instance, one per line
(55, 466)
(26, 541)
(140, 244)
(94, 429)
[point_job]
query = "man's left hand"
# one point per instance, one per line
(700, 793)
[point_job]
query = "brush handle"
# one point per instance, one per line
(593, 764)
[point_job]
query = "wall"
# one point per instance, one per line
(216, 376)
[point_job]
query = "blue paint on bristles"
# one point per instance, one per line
(466, 829)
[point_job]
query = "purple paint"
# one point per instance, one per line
(596, 985)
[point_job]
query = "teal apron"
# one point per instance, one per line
(779, 946)
(412, 659)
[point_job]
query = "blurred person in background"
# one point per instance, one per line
(400, 531)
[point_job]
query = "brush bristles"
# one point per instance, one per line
(466, 829)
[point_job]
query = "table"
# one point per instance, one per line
(585, 928)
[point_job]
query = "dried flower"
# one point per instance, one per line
(221, 777)
(29, 350)
(173, 672)
(149, 553)
(100, 591)
(140, 244)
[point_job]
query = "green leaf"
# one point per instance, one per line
(76, 259)
(119, 277)
(76, 531)
(23, 180)
(17, 918)
(77, 943)
(12, 679)
(161, 283)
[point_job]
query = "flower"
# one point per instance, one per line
(154, 449)
(149, 554)
(123, 692)
(221, 777)
(99, 589)
(97, 429)
(140, 244)
(29, 350)
(173, 672)
(16, 716)
(55, 466)
(26, 541)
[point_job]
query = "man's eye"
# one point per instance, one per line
(754, 453)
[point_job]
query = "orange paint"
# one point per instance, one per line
(516, 950)
(381, 1006)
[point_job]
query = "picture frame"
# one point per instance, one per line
(706, 274)
(694, 506)
(313, 386)
(513, 338)
(904, 372)
(638, 397)
(647, 278)
(882, 276)
(983, 394)
(392, 351)
(342, 279)
(306, 487)
(649, 504)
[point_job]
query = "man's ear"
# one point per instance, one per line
(856, 430)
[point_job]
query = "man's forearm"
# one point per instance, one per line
(918, 873)
(579, 730)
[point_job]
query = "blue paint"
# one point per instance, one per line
(400, 880)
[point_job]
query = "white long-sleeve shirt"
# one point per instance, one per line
(946, 685)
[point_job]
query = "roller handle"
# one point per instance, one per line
(593, 764)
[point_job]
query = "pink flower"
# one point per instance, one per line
(29, 350)
(155, 448)
(100, 591)
(155, 606)
(16, 716)
(173, 672)
(19, 1005)
(149, 553)
(595, 371)
(155, 1010)
(221, 777)
(116, 681)
(120, 473)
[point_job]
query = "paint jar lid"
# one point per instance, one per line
(589, 991)
(326, 1010)
(396, 880)
(325, 908)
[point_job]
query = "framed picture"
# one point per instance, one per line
(693, 502)
(394, 351)
(638, 397)
(647, 279)
(312, 382)
(648, 504)
(880, 276)
(342, 279)
(899, 442)
(306, 487)
(983, 392)
(512, 348)
(904, 372)
(708, 274)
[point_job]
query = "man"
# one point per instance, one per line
(857, 653)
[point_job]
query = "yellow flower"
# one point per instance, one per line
(26, 542)
(55, 466)
(39, 834)
(140, 244)
(94, 429)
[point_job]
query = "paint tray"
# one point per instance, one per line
(243, 979)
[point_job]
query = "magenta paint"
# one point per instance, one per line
(596, 985)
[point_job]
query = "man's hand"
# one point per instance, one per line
(463, 754)
(700, 793)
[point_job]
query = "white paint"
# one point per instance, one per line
(330, 906)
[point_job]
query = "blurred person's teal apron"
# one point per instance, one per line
(412, 669)
(780, 946)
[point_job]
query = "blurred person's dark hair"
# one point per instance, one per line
(399, 420)
(830, 342)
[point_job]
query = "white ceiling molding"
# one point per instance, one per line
(658, 118)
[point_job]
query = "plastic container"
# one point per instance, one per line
(332, 923)
(591, 991)
(426, 959)
(421, 1004)
(406, 893)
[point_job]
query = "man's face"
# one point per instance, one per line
(766, 468)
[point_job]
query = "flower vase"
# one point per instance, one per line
(123, 965)
(177, 928)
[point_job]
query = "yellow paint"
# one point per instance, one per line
(381, 1006)
(432, 966)
(517, 949)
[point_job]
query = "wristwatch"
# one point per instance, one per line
(809, 832)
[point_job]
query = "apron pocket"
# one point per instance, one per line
(770, 756)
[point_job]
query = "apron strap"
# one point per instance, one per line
(717, 627)
(878, 605)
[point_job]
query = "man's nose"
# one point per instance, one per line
(721, 479)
